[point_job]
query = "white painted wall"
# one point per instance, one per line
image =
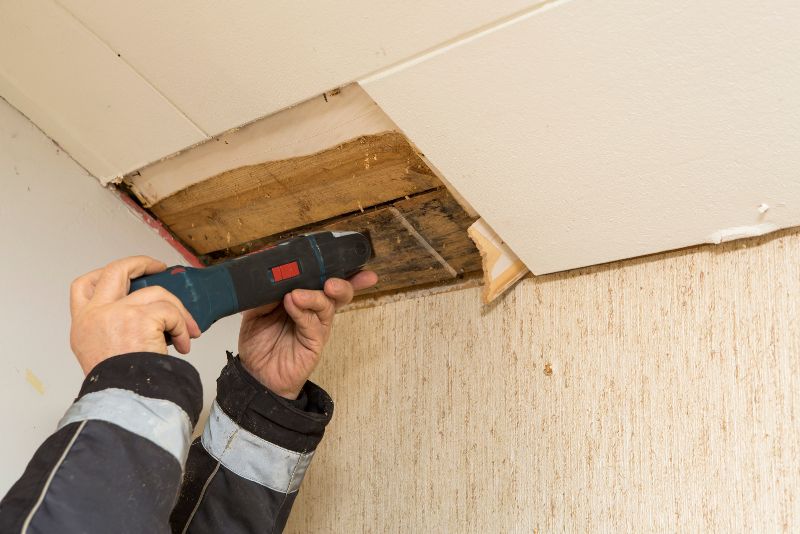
(58, 223)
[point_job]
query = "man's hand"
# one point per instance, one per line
(106, 321)
(280, 344)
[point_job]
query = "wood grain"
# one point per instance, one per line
(322, 122)
(401, 260)
(443, 223)
(263, 199)
(658, 394)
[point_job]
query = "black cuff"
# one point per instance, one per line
(269, 416)
(152, 375)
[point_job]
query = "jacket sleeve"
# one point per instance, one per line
(114, 464)
(243, 474)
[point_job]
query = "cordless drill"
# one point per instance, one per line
(262, 277)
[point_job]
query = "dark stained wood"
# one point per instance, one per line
(443, 223)
(273, 197)
(400, 260)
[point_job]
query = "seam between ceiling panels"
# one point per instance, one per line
(136, 71)
(459, 40)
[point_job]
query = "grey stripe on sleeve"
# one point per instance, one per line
(252, 457)
(160, 421)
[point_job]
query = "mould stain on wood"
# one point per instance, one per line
(337, 165)
(400, 259)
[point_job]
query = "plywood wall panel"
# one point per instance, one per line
(658, 394)
(588, 131)
(81, 94)
(226, 64)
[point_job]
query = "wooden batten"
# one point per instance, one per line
(403, 256)
(266, 198)
(501, 267)
(336, 162)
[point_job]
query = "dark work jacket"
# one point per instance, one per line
(122, 458)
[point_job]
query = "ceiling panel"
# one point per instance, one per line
(81, 94)
(228, 63)
(592, 131)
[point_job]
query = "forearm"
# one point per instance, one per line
(243, 474)
(115, 462)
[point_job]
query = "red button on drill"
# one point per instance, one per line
(285, 271)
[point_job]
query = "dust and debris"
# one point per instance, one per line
(763, 208)
(360, 207)
(366, 163)
(228, 237)
(34, 381)
(548, 369)
(239, 221)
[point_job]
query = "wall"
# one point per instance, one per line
(58, 223)
(655, 394)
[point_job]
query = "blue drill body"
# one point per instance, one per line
(263, 277)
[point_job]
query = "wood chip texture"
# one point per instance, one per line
(654, 395)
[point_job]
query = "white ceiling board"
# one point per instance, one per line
(317, 124)
(81, 94)
(592, 131)
(228, 63)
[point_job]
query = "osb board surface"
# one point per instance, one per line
(259, 200)
(401, 258)
(658, 394)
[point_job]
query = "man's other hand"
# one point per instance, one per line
(280, 344)
(106, 321)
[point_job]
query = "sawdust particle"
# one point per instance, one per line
(34, 381)
(239, 220)
(360, 207)
(548, 369)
